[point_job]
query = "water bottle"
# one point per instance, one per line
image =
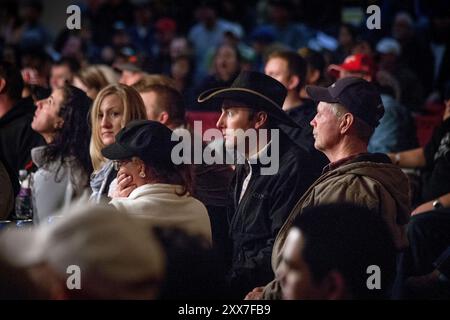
(24, 207)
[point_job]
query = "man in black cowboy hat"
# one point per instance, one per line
(260, 199)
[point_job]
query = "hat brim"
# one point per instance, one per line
(252, 99)
(317, 93)
(117, 152)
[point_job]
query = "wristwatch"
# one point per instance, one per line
(437, 204)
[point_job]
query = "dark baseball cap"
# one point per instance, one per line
(359, 96)
(146, 139)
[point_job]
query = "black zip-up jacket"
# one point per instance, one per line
(255, 221)
(17, 138)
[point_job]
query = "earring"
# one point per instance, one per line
(142, 174)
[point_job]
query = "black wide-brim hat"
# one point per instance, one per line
(257, 91)
(149, 140)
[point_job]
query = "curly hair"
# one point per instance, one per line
(72, 140)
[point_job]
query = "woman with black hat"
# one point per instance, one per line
(158, 191)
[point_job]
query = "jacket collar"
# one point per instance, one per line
(37, 155)
(360, 157)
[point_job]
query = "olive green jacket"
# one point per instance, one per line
(382, 187)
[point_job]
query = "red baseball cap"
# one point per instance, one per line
(166, 24)
(359, 62)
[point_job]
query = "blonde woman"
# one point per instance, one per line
(114, 107)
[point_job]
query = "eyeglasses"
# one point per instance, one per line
(118, 163)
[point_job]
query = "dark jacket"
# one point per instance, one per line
(302, 115)
(367, 180)
(436, 174)
(257, 218)
(17, 138)
(6, 194)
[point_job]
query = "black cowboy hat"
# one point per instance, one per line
(257, 91)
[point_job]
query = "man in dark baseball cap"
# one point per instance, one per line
(360, 97)
(347, 114)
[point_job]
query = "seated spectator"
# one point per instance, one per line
(165, 105)
(6, 193)
(434, 285)
(289, 68)
(424, 267)
(262, 40)
(71, 44)
(226, 66)
(260, 201)
(63, 71)
(33, 34)
(165, 32)
(64, 165)
(434, 159)
(130, 71)
(92, 79)
(35, 86)
(110, 74)
(193, 270)
(315, 71)
(286, 30)
(16, 284)
(182, 72)
(115, 257)
(415, 52)
(329, 251)
(114, 107)
(16, 136)
(342, 128)
(153, 79)
(141, 31)
(208, 32)
(411, 93)
(35, 73)
(396, 131)
(180, 46)
(149, 185)
(347, 40)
